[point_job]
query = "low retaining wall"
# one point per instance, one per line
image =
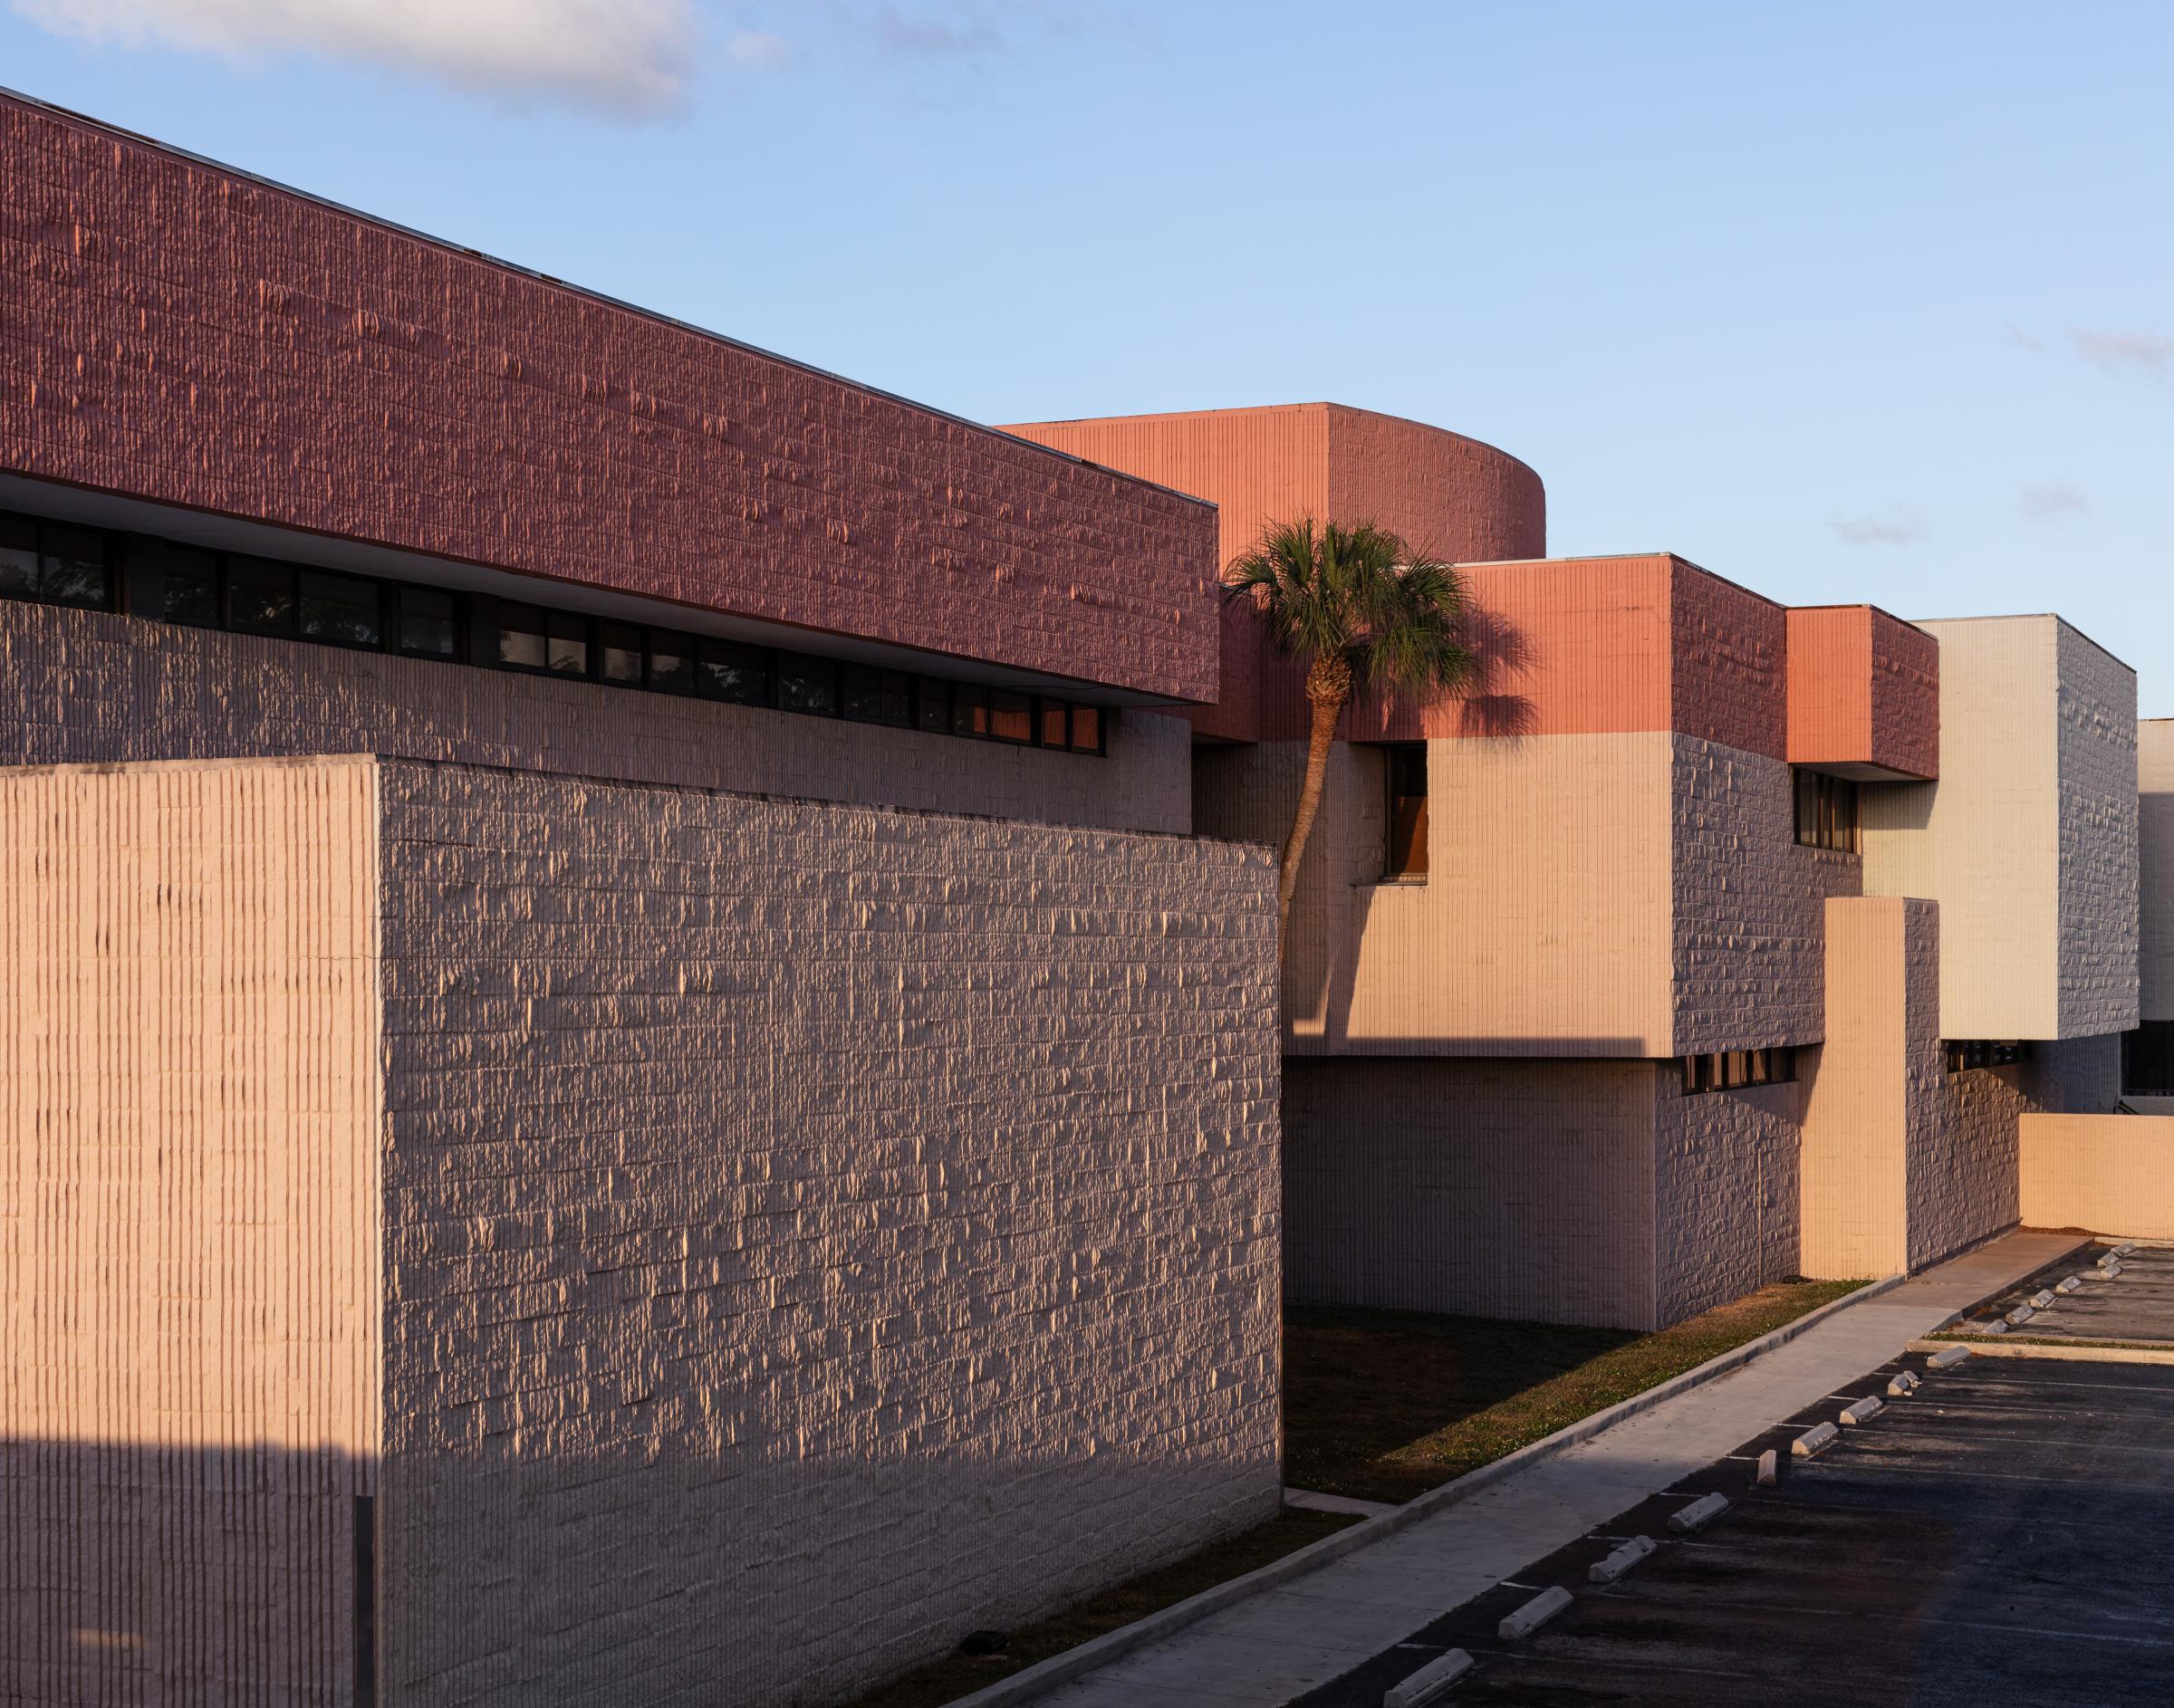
(2113, 1173)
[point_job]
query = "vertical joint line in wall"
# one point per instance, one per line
(366, 1601)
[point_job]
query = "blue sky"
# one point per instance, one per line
(1846, 302)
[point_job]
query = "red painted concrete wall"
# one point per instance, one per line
(1864, 688)
(1447, 495)
(183, 333)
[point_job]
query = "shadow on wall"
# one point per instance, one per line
(185, 1576)
(1501, 652)
(196, 1578)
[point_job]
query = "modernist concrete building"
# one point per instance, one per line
(1707, 942)
(623, 1081)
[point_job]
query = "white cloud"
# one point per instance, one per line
(1896, 526)
(758, 49)
(629, 57)
(2053, 498)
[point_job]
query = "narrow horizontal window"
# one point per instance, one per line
(1086, 729)
(969, 710)
(523, 640)
(870, 695)
(260, 596)
(1737, 1069)
(428, 623)
(341, 608)
(932, 705)
(736, 673)
(1056, 726)
(568, 648)
(620, 648)
(1965, 1055)
(807, 685)
(671, 662)
(176, 583)
(74, 568)
(1011, 716)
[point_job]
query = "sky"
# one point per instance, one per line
(1846, 302)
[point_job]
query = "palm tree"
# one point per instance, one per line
(1359, 606)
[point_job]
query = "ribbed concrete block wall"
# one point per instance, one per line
(829, 1231)
(2111, 1173)
(2155, 865)
(189, 1245)
(1725, 1187)
(1517, 1189)
(88, 687)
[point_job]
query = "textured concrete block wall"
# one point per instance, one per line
(2098, 811)
(1726, 1185)
(2111, 1174)
(2155, 866)
(185, 334)
(188, 1231)
(811, 1232)
(85, 687)
(1517, 1189)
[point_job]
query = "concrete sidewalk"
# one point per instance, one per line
(1283, 1641)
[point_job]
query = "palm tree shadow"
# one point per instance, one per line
(1502, 654)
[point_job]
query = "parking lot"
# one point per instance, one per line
(1999, 1538)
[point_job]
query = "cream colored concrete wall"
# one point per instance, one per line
(2028, 840)
(813, 1231)
(189, 1229)
(87, 688)
(1627, 895)
(2109, 1173)
(1491, 1189)
(2155, 853)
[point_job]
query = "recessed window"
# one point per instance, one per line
(176, 583)
(54, 564)
(1736, 1069)
(428, 624)
(260, 596)
(1965, 1055)
(1406, 856)
(1086, 729)
(1011, 716)
(1826, 812)
(620, 650)
(524, 641)
(969, 709)
(932, 705)
(807, 685)
(1055, 733)
(730, 671)
(569, 643)
(341, 608)
(876, 697)
(671, 662)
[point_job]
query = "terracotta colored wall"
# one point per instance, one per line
(2113, 1173)
(188, 1231)
(2027, 842)
(1454, 496)
(812, 1233)
(85, 686)
(188, 335)
(2155, 853)
(1863, 690)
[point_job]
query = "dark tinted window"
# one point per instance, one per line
(427, 622)
(969, 709)
(620, 645)
(176, 583)
(18, 556)
(1011, 716)
(806, 685)
(736, 673)
(260, 596)
(71, 567)
(522, 642)
(671, 661)
(339, 608)
(876, 697)
(569, 652)
(932, 705)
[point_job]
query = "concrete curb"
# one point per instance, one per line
(1098, 1652)
(2043, 1350)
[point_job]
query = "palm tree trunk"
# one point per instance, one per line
(1328, 688)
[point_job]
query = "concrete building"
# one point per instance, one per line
(623, 1083)
(1704, 943)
